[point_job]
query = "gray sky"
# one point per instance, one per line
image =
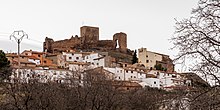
(147, 23)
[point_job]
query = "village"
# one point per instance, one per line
(79, 56)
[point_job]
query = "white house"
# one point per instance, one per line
(42, 75)
(151, 82)
(73, 56)
(167, 79)
(127, 74)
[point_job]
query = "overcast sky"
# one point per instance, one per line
(147, 23)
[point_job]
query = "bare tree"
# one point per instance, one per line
(198, 40)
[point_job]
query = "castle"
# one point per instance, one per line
(88, 40)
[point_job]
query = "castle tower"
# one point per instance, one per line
(120, 39)
(90, 36)
(47, 45)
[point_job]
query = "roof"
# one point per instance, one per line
(151, 76)
(99, 58)
(126, 84)
(78, 63)
(131, 69)
(23, 62)
(34, 52)
(15, 55)
(33, 57)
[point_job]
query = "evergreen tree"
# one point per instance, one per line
(5, 70)
(135, 59)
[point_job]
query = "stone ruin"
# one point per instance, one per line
(88, 40)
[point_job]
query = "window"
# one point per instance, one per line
(131, 76)
(77, 58)
(125, 65)
(155, 82)
(146, 55)
(147, 61)
(45, 61)
(22, 57)
(120, 71)
(12, 57)
(126, 71)
(97, 63)
(70, 58)
(134, 76)
(119, 78)
(38, 55)
(131, 71)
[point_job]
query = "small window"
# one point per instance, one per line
(146, 55)
(12, 57)
(70, 58)
(121, 71)
(155, 82)
(38, 55)
(26, 54)
(147, 61)
(77, 58)
(131, 71)
(125, 65)
(97, 63)
(131, 76)
(22, 57)
(126, 71)
(134, 76)
(119, 78)
(45, 61)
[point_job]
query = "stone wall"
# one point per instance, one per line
(89, 40)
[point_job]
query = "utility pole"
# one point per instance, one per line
(18, 36)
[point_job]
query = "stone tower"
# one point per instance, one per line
(120, 39)
(47, 46)
(90, 36)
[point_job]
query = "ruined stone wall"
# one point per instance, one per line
(89, 40)
(121, 40)
(107, 44)
(51, 45)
